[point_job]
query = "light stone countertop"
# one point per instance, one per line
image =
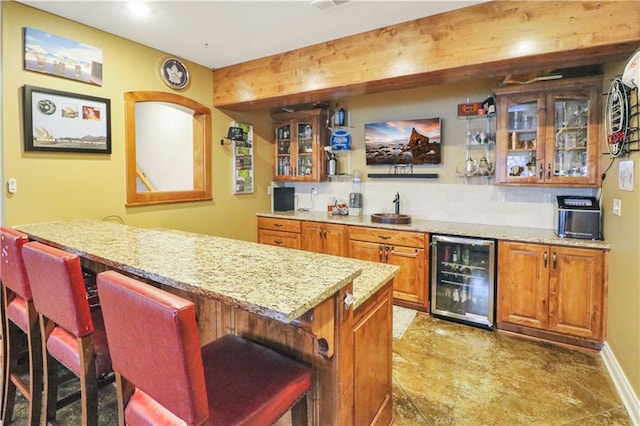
(510, 233)
(275, 282)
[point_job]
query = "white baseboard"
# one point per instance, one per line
(628, 396)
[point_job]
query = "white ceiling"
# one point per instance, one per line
(221, 33)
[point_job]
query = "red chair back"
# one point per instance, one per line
(12, 271)
(58, 288)
(165, 363)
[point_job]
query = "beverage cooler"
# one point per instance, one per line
(463, 279)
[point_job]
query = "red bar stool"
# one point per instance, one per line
(72, 334)
(19, 319)
(163, 376)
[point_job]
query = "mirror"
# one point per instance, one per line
(168, 140)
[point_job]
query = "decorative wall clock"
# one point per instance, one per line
(174, 73)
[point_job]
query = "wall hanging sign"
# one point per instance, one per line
(50, 54)
(65, 122)
(174, 73)
(625, 175)
(242, 157)
(341, 140)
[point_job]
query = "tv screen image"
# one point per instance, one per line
(403, 142)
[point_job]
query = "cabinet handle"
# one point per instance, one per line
(548, 170)
(554, 261)
(545, 259)
(386, 254)
(324, 233)
(380, 254)
(393, 252)
(382, 237)
(277, 225)
(278, 241)
(541, 170)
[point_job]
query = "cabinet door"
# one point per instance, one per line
(312, 236)
(576, 292)
(572, 157)
(523, 284)
(411, 283)
(285, 151)
(372, 365)
(278, 238)
(336, 240)
(366, 251)
(520, 138)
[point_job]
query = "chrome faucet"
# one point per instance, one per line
(396, 201)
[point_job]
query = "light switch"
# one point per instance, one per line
(12, 185)
(617, 207)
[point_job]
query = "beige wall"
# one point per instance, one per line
(623, 233)
(53, 186)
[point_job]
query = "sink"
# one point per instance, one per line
(391, 218)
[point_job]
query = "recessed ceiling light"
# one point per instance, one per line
(139, 8)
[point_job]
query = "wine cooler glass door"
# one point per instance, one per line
(463, 280)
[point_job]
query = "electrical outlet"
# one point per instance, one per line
(314, 190)
(617, 207)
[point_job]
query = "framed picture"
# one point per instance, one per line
(50, 54)
(404, 142)
(65, 122)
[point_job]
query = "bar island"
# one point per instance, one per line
(332, 313)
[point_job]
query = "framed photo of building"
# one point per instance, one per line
(65, 122)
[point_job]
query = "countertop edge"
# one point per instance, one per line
(497, 232)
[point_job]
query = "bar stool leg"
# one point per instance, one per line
(12, 381)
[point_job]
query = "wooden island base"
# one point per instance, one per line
(361, 357)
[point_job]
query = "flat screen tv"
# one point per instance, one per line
(403, 142)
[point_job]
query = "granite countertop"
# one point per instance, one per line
(510, 233)
(276, 282)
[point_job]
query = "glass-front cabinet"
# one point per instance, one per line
(299, 147)
(547, 133)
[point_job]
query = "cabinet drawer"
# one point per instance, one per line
(387, 236)
(277, 238)
(276, 224)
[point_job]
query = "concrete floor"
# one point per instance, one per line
(451, 374)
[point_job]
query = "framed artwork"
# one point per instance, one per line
(407, 142)
(50, 54)
(65, 122)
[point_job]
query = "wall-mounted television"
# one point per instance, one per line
(404, 142)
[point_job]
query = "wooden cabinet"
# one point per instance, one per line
(325, 238)
(372, 362)
(408, 250)
(279, 232)
(299, 148)
(547, 133)
(553, 292)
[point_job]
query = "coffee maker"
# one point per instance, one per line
(355, 197)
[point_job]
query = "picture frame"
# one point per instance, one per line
(50, 54)
(65, 122)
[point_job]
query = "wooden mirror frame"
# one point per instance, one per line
(201, 150)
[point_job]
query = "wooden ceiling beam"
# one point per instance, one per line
(491, 39)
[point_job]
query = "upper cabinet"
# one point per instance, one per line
(547, 133)
(299, 148)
